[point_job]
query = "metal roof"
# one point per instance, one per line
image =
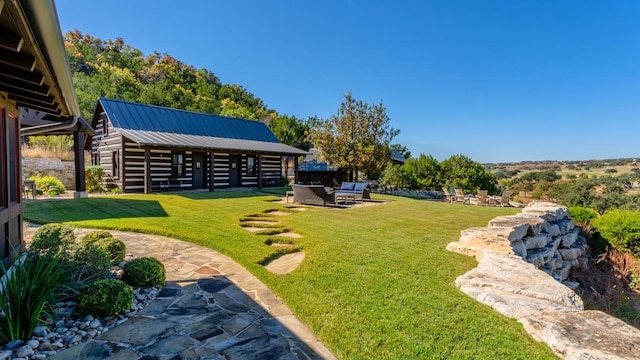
(314, 165)
(155, 138)
(158, 126)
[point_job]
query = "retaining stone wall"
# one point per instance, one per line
(63, 170)
(523, 261)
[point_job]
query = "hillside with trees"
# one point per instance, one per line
(113, 69)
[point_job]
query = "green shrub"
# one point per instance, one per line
(89, 263)
(26, 293)
(583, 216)
(104, 298)
(104, 240)
(93, 178)
(115, 247)
(48, 184)
(621, 228)
(95, 236)
(52, 239)
(144, 272)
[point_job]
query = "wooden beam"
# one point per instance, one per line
(17, 60)
(79, 140)
(10, 41)
(48, 110)
(45, 99)
(32, 77)
(259, 171)
(148, 185)
(31, 100)
(25, 86)
(212, 161)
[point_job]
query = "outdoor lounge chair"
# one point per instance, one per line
(360, 190)
(482, 198)
(448, 197)
(505, 198)
(461, 198)
(312, 195)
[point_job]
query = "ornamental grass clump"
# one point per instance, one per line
(104, 298)
(28, 290)
(144, 272)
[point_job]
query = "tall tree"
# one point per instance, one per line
(357, 138)
(461, 172)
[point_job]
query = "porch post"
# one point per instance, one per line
(295, 169)
(259, 171)
(79, 139)
(148, 184)
(212, 164)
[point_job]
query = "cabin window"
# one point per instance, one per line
(13, 158)
(177, 164)
(115, 164)
(251, 166)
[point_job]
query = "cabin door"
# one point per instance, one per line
(199, 171)
(235, 166)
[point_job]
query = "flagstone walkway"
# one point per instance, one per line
(210, 308)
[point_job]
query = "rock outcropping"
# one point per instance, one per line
(524, 261)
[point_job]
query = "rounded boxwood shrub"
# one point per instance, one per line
(104, 298)
(144, 272)
(115, 247)
(51, 239)
(95, 236)
(90, 263)
(104, 240)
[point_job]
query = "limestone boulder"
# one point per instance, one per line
(585, 335)
(547, 210)
(516, 288)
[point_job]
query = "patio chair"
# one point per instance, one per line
(312, 195)
(482, 198)
(460, 197)
(505, 198)
(448, 197)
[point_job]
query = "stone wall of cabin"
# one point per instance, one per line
(523, 264)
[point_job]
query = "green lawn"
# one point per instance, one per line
(376, 283)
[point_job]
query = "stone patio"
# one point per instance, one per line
(210, 308)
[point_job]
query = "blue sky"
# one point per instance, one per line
(498, 81)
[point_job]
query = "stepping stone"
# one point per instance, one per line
(265, 222)
(275, 244)
(253, 229)
(285, 263)
(279, 213)
(289, 235)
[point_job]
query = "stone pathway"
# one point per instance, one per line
(210, 308)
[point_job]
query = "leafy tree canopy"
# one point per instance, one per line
(356, 138)
(113, 69)
(461, 172)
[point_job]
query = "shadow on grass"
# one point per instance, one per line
(91, 209)
(218, 194)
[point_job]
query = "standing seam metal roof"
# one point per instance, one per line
(135, 116)
(159, 126)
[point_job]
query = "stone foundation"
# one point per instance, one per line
(523, 262)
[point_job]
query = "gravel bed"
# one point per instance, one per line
(66, 329)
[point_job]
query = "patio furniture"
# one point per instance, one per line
(505, 198)
(287, 194)
(345, 197)
(448, 197)
(312, 195)
(29, 187)
(482, 198)
(360, 190)
(461, 197)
